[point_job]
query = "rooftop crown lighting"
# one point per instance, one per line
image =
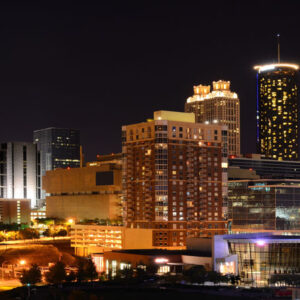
(273, 66)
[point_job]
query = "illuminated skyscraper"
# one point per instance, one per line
(277, 111)
(20, 176)
(221, 106)
(174, 177)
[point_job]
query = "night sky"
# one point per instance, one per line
(98, 67)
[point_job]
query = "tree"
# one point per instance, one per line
(151, 269)
(90, 270)
(61, 232)
(71, 277)
(86, 270)
(195, 274)
(80, 275)
(57, 273)
(126, 273)
(31, 276)
(47, 232)
(214, 277)
(28, 233)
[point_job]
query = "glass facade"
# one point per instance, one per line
(267, 168)
(59, 147)
(264, 205)
(260, 258)
(277, 111)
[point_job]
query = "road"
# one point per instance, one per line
(9, 284)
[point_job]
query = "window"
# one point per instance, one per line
(105, 178)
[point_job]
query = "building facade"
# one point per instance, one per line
(84, 193)
(113, 158)
(20, 176)
(174, 177)
(15, 211)
(88, 239)
(277, 111)
(264, 205)
(220, 106)
(267, 168)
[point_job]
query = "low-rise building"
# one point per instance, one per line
(38, 213)
(14, 211)
(84, 193)
(166, 261)
(88, 239)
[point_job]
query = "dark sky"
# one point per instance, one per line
(97, 67)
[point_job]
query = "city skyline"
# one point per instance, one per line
(58, 74)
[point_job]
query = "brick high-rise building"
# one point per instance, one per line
(219, 106)
(174, 177)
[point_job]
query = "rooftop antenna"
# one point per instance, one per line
(278, 47)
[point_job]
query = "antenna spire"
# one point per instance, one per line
(278, 47)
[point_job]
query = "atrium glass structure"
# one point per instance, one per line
(258, 205)
(258, 256)
(277, 111)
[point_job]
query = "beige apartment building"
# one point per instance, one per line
(84, 193)
(219, 106)
(174, 177)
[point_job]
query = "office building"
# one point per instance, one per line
(88, 239)
(174, 177)
(84, 193)
(20, 176)
(15, 211)
(265, 168)
(277, 111)
(219, 106)
(257, 257)
(38, 213)
(59, 147)
(264, 205)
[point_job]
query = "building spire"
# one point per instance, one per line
(278, 47)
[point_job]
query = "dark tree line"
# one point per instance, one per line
(57, 273)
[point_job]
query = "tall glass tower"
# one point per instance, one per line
(277, 111)
(58, 147)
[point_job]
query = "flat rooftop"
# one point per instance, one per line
(155, 252)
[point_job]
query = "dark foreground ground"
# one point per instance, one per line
(97, 291)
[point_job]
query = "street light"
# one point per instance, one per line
(22, 262)
(70, 221)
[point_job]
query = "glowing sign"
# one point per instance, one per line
(161, 260)
(261, 243)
